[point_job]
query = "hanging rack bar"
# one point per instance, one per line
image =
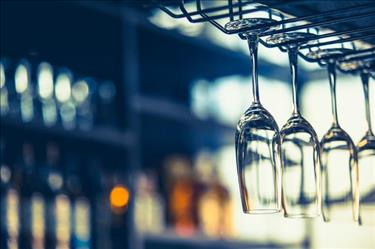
(353, 38)
(318, 37)
(239, 9)
(338, 56)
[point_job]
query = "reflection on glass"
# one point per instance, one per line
(339, 162)
(366, 154)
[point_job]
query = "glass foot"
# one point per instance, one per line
(293, 36)
(248, 23)
(322, 54)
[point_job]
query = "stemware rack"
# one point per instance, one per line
(349, 24)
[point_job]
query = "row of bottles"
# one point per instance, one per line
(189, 199)
(49, 200)
(55, 96)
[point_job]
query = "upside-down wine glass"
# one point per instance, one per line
(366, 156)
(257, 139)
(340, 195)
(299, 142)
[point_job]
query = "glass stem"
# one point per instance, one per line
(332, 84)
(252, 40)
(293, 59)
(365, 81)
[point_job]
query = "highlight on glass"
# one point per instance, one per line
(366, 163)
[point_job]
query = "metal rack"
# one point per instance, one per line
(347, 24)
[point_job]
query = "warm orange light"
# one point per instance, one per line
(119, 196)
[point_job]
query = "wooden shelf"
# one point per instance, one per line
(96, 136)
(170, 110)
(170, 240)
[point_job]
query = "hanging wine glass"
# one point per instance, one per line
(257, 139)
(340, 195)
(366, 156)
(301, 176)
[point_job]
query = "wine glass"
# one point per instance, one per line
(257, 139)
(340, 195)
(366, 156)
(301, 176)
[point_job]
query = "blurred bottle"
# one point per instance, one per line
(4, 93)
(181, 198)
(82, 93)
(45, 94)
(29, 90)
(81, 225)
(97, 190)
(107, 104)
(32, 202)
(214, 204)
(23, 103)
(9, 201)
(58, 214)
(63, 93)
(149, 206)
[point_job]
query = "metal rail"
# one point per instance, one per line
(230, 10)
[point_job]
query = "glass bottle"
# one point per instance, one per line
(4, 93)
(181, 196)
(213, 201)
(81, 208)
(149, 208)
(58, 213)
(24, 105)
(45, 89)
(32, 201)
(9, 200)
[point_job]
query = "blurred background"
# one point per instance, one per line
(117, 131)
